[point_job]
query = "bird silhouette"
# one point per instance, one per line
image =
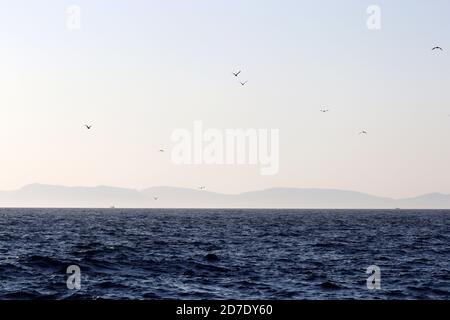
(363, 132)
(236, 73)
(161, 150)
(155, 198)
(88, 127)
(202, 188)
(324, 110)
(437, 48)
(243, 83)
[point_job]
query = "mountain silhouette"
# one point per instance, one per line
(39, 195)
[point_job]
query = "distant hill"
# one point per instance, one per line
(38, 195)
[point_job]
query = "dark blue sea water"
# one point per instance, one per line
(223, 254)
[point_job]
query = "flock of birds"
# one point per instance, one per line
(236, 74)
(243, 83)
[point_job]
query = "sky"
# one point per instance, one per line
(138, 70)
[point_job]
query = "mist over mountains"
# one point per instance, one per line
(39, 195)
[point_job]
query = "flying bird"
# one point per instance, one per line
(324, 110)
(237, 73)
(244, 83)
(202, 188)
(88, 127)
(437, 48)
(155, 198)
(161, 150)
(363, 132)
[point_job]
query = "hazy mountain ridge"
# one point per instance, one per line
(38, 195)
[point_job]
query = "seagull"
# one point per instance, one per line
(237, 73)
(363, 132)
(244, 83)
(437, 48)
(88, 127)
(202, 188)
(155, 198)
(324, 110)
(161, 150)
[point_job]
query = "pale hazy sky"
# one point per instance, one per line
(137, 70)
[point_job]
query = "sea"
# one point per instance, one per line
(195, 254)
